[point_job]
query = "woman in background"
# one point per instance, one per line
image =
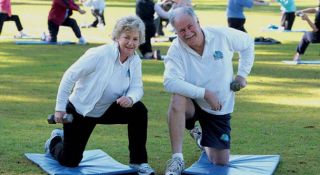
(6, 15)
(59, 15)
(310, 36)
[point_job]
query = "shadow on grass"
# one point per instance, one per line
(286, 71)
(43, 65)
(30, 67)
(286, 51)
(30, 75)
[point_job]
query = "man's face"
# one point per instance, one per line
(188, 30)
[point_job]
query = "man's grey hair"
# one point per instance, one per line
(129, 24)
(181, 11)
(188, 1)
(184, 3)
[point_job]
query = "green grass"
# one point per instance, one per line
(278, 113)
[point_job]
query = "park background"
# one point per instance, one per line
(278, 113)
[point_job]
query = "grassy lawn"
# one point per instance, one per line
(278, 113)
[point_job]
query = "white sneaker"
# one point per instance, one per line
(143, 169)
(45, 37)
(101, 26)
(175, 166)
(82, 41)
(21, 35)
(54, 133)
(196, 134)
(85, 25)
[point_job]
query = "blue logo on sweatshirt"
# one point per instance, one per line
(217, 55)
(224, 137)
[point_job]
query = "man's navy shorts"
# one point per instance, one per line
(215, 128)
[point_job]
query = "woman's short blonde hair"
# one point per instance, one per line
(129, 24)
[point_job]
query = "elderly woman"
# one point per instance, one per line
(104, 86)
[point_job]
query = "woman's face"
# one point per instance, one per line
(128, 42)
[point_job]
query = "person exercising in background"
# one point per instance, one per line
(235, 15)
(310, 36)
(288, 9)
(6, 15)
(145, 10)
(97, 10)
(59, 15)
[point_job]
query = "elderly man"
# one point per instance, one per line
(198, 73)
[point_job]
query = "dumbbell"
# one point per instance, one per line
(67, 118)
(235, 86)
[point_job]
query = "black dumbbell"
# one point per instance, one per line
(235, 86)
(67, 118)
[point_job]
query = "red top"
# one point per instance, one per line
(5, 7)
(59, 8)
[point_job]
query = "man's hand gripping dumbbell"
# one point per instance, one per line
(66, 118)
(238, 83)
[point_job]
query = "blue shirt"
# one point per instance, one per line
(235, 8)
(287, 5)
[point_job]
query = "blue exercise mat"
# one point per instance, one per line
(238, 165)
(44, 43)
(275, 28)
(301, 62)
(295, 30)
(292, 30)
(93, 162)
